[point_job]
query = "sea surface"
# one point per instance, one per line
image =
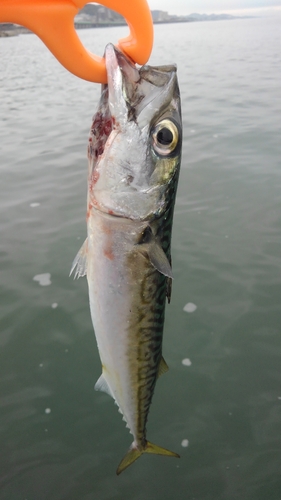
(219, 406)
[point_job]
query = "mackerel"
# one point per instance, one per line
(134, 160)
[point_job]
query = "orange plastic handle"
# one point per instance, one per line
(53, 22)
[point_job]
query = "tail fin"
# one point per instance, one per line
(134, 453)
(157, 450)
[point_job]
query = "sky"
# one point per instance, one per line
(208, 6)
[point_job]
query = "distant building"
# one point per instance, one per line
(160, 16)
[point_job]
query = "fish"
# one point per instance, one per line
(134, 155)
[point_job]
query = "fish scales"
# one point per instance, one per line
(134, 158)
(146, 328)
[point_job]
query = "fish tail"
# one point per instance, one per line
(131, 456)
(134, 453)
(157, 450)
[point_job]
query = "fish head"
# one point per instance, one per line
(135, 140)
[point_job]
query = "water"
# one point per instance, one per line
(220, 404)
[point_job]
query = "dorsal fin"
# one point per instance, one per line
(162, 368)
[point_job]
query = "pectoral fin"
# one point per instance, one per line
(80, 261)
(158, 258)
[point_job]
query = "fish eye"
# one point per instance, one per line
(165, 137)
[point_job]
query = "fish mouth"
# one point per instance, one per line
(116, 62)
(123, 79)
(131, 90)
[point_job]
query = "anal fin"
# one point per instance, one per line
(102, 385)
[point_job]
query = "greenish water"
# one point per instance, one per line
(59, 439)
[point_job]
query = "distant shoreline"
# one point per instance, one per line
(8, 30)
